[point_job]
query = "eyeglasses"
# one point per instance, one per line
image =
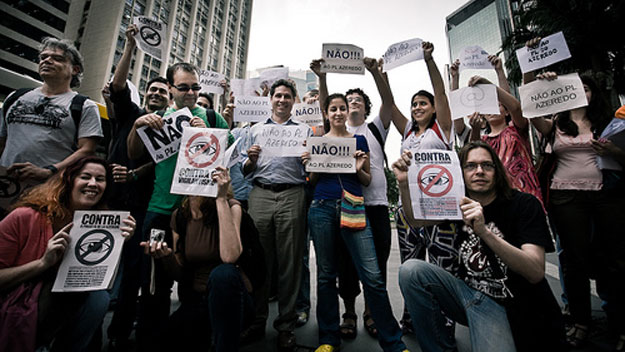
(185, 87)
(486, 166)
(354, 99)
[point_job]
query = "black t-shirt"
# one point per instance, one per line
(133, 194)
(533, 312)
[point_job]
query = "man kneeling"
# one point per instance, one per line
(486, 271)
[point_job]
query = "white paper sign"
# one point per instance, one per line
(245, 87)
(475, 58)
(436, 185)
(331, 155)
(201, 151)
(551, 49)
(309, 114)
(90, 261)
(480, 98)
(211, 81)
(232, 155)
(163, 143)
(280, 141)
(615, 132)
(342, 58)
(151, 36)
(542, 97)
(402, 53)
(251, 109)
(270, 75)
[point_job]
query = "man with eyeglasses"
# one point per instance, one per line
(184, 87)
(486, 271)
(39, 133)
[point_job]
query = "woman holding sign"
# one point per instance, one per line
(33, 239)
(208, 261)
(338, 210)
(587, 208)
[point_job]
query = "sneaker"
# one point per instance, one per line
(302, 319)
(326, 348)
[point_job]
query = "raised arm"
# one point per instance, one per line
(386, 110)
(443, 113)
(501, 74)
(230, 246)
(454, 70)
(542, 124)
(531, 75)
(123, 66)
(315, 66)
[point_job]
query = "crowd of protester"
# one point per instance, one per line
(486, 271)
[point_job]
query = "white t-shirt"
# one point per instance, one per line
(429, 139)
(375, 193)
(41, 130)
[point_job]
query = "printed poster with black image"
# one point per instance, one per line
(91, 260)
(151, 37)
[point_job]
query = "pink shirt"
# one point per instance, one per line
(576, 165)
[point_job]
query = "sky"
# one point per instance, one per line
(291, 33)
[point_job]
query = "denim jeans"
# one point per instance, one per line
(302, 304)
(428, 289)
(324, 224)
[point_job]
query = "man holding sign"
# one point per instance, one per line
(485, 271)
(277, 205)
(184, 87)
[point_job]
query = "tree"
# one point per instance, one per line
(593, 31)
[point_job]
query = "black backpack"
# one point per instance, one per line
(75, 109)
(251, 260)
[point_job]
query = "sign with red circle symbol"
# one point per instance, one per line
(435, 180)
(202, 150)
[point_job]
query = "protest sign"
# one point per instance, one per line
(279, 141)
(342, 58)
(480, 98)
(436, 185)
(309, 114)
(91, 259)
(331, 154)
(543, 97)
(163, 143)
(201, 151)
(474, 57)
(402, 53)
(232, 155)
(614, 132)
(550, 50)
(251, 109)
(151, 36)
(270, 75)
(245, 87)
(211, 81)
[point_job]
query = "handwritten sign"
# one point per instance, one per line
(251, 109)
(402, 53)
(245, 87)
(270, 75)
(280, 141)
(550, 50)
(480, 98)
(163, 143)
(475, 58)
(331, 155)
(90, 261)
(211, 81)
(436, 185)
(202, 150)
(151, 36)
(615, 132)
(542, 97)
(342, 58)
(309, 114)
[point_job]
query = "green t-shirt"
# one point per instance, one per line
(162, 201)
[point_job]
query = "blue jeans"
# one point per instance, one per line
(428, 289)
(324, 224)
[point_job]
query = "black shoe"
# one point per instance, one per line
(252, 334)
(286, 341)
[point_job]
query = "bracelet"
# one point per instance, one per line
(51, 168)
